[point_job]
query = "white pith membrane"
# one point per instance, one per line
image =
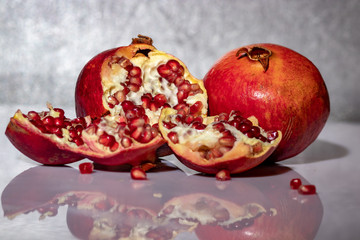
(207, 138)
(116, 76)
(199, 208)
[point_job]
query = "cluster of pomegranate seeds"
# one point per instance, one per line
(86, 168)
(302, 189)
(221, 124)
(133, 126)
(54, 122)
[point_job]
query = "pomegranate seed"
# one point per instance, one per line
(127, 105)
(164, 70)
(227, 141)
(138, 174)
(114, 147)
(219, 126)
(173, 65)
(223, 175)
(78, 141)
(134, 87)
(272, 135)
(169, 125)
(135, 72)
(161, 99)
(72, 132)
(112, 100)
(223, 117)
(49, 121)
(214, 153)
(154, 106)
(295, 183)
(186, 86)
(59, 122)
(196, 108)
(198, 125)
(146, 136)
(249, 134)
(60, 112)
(262, 138)
(255, 131)
(126, 142)
(136, 81)
(307, 189)
(136, 134)
(173, 136)
(181, 96)
(86, 167)
(235, 123)
(106, 140)
(179, 80)
(146, 101)
(244, 127)
(154, 132)
(32, 115)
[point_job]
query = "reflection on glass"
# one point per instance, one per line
(109, 205)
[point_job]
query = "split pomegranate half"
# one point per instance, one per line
(227, 143)
(137, 81)
(50, 138)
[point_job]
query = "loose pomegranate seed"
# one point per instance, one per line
(86, 167)
(295, 183)
(138, 174)
(223, 175)
(307, 189)
(173, 136)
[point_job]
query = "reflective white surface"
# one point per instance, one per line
(330, 163)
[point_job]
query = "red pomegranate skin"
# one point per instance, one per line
(88, 91)
(291, 96)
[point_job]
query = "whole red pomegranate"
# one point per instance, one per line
(281, 88)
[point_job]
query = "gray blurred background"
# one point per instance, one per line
(45, 44)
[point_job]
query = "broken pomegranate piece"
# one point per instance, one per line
(50, 138)
(227, 142)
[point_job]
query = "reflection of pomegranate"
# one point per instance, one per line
(285, 207)
(282, 88)
(256, 206)
(218, 144)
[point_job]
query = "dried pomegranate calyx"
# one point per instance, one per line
(256, 53)
(142, 40)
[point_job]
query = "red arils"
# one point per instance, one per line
(86, 168)
(138, 173)
(307, 189)
(295, 183)
(173, 136)
(302, 189)
(223, 175)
